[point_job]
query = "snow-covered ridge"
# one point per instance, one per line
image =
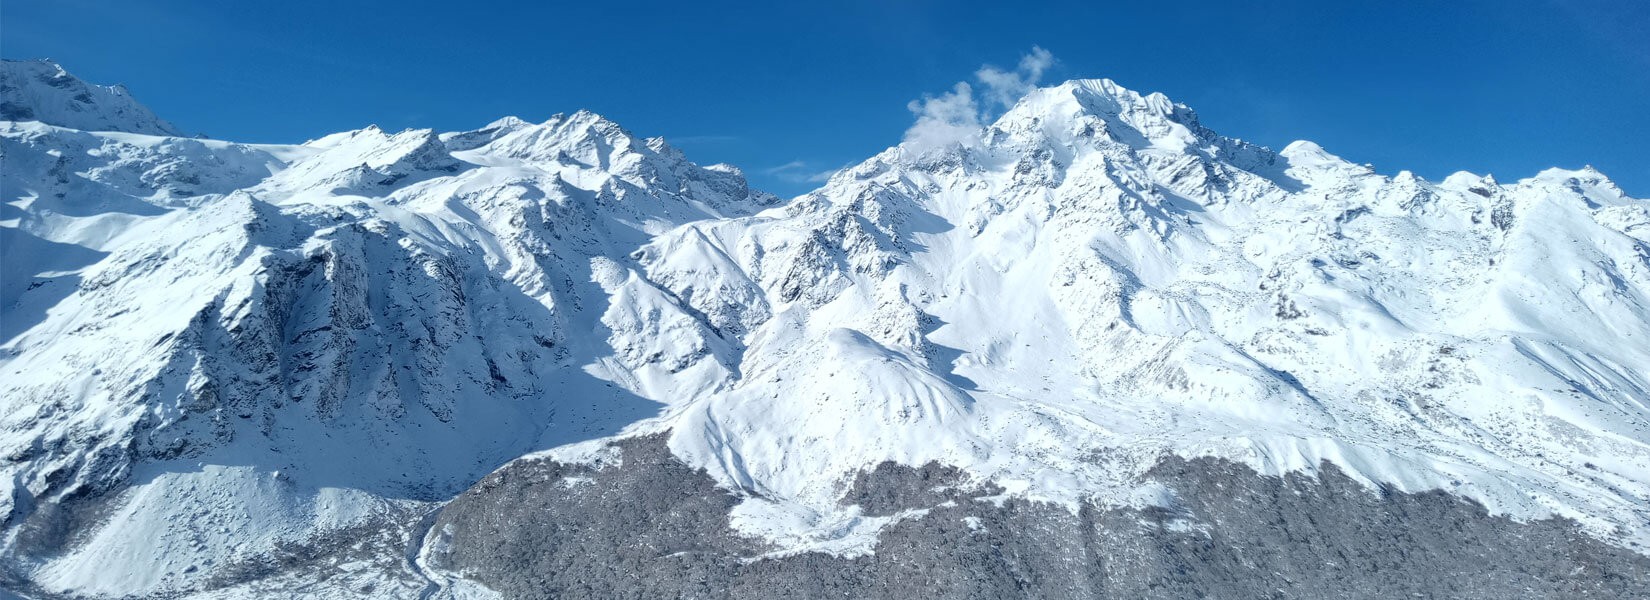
(41, 90)
(196, 331)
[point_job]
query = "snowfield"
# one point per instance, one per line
(212, 352)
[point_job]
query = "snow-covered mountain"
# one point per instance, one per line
(233, 369)
(41, 90)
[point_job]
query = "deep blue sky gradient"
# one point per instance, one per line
(1501, 86)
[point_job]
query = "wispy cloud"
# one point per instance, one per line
(956, 117)
(1004, 88)
(689, 140)
(798, 171)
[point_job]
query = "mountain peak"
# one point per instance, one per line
(1111, 89)
(1085, 108)
(1107, 97)
(1308, 153)
(42, 90)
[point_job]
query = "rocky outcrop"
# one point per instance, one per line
(646, 525)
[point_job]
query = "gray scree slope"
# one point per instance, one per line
(655, 528)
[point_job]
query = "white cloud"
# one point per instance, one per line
(799, 172)
(1003, 88)
(957, 116)
(687, 140)
(944, 120)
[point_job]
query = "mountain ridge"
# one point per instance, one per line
(42, 90)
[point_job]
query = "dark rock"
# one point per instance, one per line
(655, 528)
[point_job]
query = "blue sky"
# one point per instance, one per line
(788, 90)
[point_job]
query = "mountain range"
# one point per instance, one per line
(1089, 349)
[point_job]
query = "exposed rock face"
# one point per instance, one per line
(650, 526)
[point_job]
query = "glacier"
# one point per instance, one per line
(226, 365)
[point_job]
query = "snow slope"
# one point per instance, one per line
(213, 351)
